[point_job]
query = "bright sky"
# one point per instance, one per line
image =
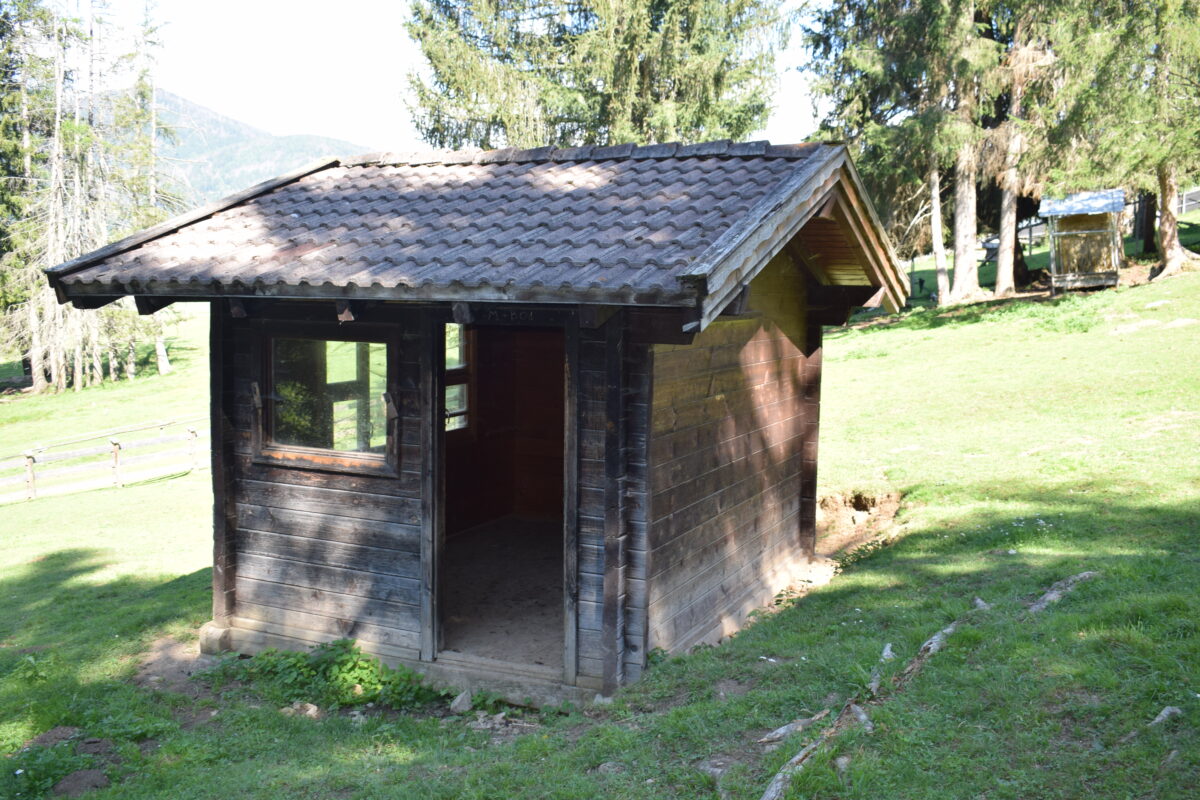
(333, 69)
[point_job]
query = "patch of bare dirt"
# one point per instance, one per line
(847, 521)
(103, 749)
(62, 733)
(80, 782)
(170, 666)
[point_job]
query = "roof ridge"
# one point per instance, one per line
(620, 152)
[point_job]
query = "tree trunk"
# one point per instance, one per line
(1149, 222)
(1006, 253)
(966, 268)
(160, 354)
(113, 371)
(37, 360)
(1168, 225)
(936, 234)
(131, 361)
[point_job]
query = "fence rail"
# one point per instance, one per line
(132, 454)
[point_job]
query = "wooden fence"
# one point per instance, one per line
(112, 458)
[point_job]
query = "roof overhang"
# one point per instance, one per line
(825, 204)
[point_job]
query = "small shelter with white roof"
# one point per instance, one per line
(1084, 240)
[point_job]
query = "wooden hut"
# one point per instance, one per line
(514, 418)
(1084, 239)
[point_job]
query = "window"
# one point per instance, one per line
(326, 394)
(458, 377)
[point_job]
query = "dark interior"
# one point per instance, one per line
(502, 566)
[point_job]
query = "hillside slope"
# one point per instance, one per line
(1032, 441)
(215, 155)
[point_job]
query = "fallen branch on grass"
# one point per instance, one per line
(1056, 592)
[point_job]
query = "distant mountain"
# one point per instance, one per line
(215, 156)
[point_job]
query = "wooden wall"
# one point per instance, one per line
(732, 464)
(308, 554)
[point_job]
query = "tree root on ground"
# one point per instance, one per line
(1056, 591)
(853, 712)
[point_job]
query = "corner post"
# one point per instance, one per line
(813, 335)
(224, 521)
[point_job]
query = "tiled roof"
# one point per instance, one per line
(648, 225)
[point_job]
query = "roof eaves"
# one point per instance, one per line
(57, 273)
(897, 294)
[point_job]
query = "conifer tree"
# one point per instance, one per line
(535, 72)
(1128, 103)
(88, 175)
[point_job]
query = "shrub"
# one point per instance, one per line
(332, 675)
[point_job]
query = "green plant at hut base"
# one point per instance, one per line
(331, 675)
(528, 74)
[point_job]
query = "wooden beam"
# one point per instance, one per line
(571, 505)
(462, 313)
(224, 510)
(660, 326)
(148, 305)
(813, 336)
(349, 310)
(827, 207)
(432, 483)
(592, 317)
(87, 303)
(839, 296)
(738, 305)
(612, 650)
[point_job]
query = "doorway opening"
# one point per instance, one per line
(501, 584)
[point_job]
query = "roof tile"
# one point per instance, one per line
(624, 218)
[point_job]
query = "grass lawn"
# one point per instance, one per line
(1031, 441)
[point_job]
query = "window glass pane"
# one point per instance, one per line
(341, 361)
(456, 407)
(456, 399)
(329, 394)
(456, 352)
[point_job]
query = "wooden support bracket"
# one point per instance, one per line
(592, 317)
(348, 310)
(739, 304)
(147, 305)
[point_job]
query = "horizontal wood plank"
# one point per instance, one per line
(306, 583)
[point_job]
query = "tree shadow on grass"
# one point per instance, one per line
(68, 644)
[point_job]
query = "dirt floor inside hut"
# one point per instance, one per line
(502, 592)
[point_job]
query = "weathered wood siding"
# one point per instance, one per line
(317, 555)
(613, 414)
(732, 464)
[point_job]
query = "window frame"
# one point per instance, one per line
(269, 452)
(460, 376)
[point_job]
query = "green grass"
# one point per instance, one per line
(1065, 431)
